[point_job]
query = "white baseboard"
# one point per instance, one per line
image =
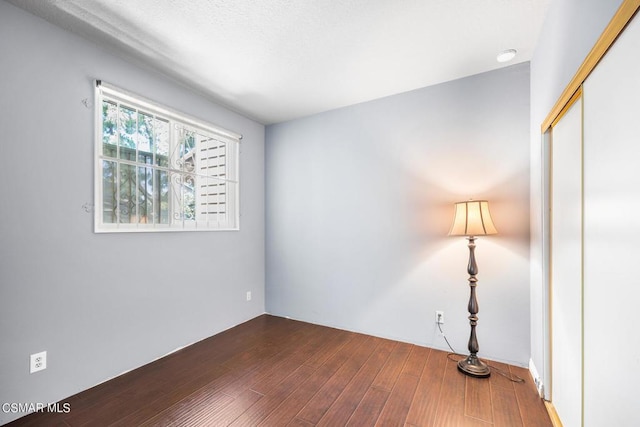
(536, 378)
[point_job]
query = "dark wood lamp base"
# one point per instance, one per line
(474, 367)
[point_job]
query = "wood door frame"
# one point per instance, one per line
(553, 414)
(616, 26)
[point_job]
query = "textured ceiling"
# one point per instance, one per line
(275, 60)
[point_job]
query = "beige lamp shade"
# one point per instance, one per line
(472, 218)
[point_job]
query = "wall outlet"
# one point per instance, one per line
(248, 295)
(440, 317)
(38, 362)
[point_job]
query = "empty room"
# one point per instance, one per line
(299, 213)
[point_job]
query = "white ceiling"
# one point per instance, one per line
(275, 60)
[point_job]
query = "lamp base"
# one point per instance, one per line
(474, 367)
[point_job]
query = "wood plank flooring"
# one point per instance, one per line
(272, 371)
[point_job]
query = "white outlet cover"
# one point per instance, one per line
(248, 295)
(38, 362)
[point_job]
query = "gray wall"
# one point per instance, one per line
(359, 203)
(570, 30)
(101, 304)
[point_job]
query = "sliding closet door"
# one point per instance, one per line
(566, 266)
(612, 235)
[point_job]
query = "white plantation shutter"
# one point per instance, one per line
(216, 188)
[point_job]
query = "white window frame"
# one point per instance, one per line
(177, 122)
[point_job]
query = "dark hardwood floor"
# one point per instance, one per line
(272, 371)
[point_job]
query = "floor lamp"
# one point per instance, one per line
(471, 219)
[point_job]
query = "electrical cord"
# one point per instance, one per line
(511, 377)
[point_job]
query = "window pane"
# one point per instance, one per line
(126, 201)
(109, 191)
(145, 195)
(145, 138)
(161, 196)
(128, 132)
(109, 128)
(162, 142)
(183, 199)
(189, 198)
(186, 155)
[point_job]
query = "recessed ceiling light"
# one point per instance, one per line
(506, 55)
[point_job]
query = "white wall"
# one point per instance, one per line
(570, 30)
(359, 203)
(101, 304)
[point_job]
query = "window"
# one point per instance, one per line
(158, 170)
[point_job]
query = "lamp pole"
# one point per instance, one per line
(471, 365)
